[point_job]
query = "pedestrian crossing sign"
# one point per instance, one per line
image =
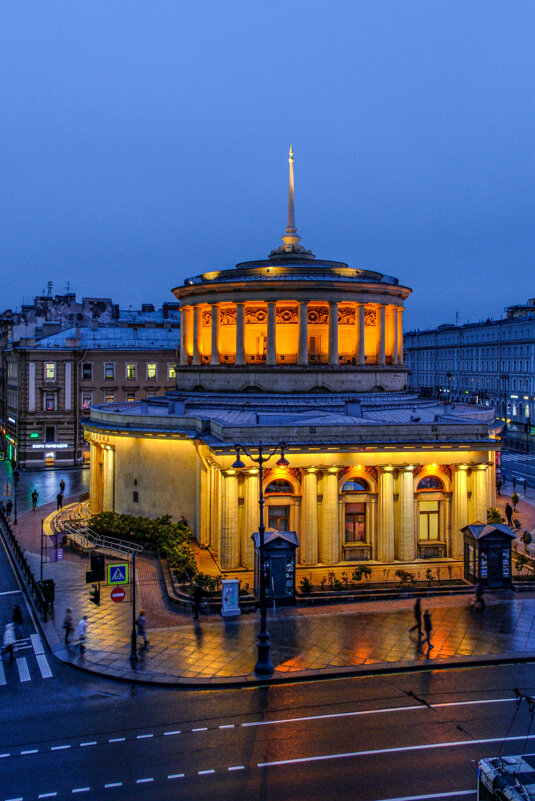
(118, 574)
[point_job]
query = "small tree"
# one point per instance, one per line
(494, 516)
(305, 585)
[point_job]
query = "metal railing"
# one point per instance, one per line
(88, 540)
(23, 566)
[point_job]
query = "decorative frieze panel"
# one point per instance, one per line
(318, 315)
(228, 316)
(369, 317)
(287, 314)
(255, 314)
(207, 317)
(346, 316)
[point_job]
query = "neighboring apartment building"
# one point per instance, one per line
(490, 363)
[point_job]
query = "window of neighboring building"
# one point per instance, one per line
(171, 371)
(151, 369)
(50, 371)
(355, 522)
(50, 401)
(109, 397)
(130, 396)
(280, 486)
(109, 370)
(428, 522)
(279, 517)
(50, 433)
(87, 371)
(356, 485)
(430, 483)
(131, 370)
(87, 400)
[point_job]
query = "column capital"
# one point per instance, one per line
(310, 469)
(407, 468)
(459, 467)
(330, 470)
(229, 472)
(386, 468)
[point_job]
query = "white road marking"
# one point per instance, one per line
(228, 726)
(83, 745)
(400, 749)
(24, 673)
(10, 592)
(203, 728)
(32, 751)
(60, 747)
(44, 667)
(433, 795)
(205, 772)
(380, 711)
(4, 756)
(2, 674)
(167, 733)
(143, 781)
(47, 795)
(20, 798)
(117, 740)
(237, 767)
(176, 776)
(81, 790)
(144, 736)
(37, 644)
(113, 784)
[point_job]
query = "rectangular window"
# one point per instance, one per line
(109, 371)
(355, 522)
(109, 397)
(151, 370)
(50, 371)
(429, 529)
(50, 402)
(171, 371)
(130, 396)
(50, 434)
(279, 517)
(130, 370)
(87, 400)
(87, 371)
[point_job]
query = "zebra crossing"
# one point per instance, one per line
(523, 458)
(29, 664)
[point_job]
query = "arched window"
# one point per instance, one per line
(279, 486)
(356, 485)
(430, 483)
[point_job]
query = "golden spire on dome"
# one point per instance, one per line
(291, 238)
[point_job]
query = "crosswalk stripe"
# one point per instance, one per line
(24, 673)
(44, 667)
(2, 674)
(37, 644)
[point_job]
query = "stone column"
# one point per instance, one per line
(400, 335)
(108, 489)
(229, 556)
(459, 516)
(302, 354)
(360, 334)
(395, 354)
(215, 356)
(329, 545)
(95, 500)
(252, 516)
(333, 332)
(240, 332)
(385, 525)
(271, 357)
(406, 545)
(381, 335)
(183, 329)
(479, 489)
(309, 517)
(196, 333)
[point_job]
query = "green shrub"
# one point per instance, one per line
(360, 571)
(405, 577)
(494, 516)
(337, 585)
(305, 585)
(429, 575)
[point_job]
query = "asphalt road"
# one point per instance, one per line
(45, 481)
(519, 465)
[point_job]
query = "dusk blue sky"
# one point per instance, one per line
(142, 143)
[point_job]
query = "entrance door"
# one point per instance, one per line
(495, 577)
(278, 575)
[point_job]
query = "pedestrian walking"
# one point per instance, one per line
(526, 539)
(499, 486)
(59, 499)
(141, 623)
(418, 618)
(35, 495)
(197, 600)
(82, 633)
(9, 640)
(525, 486)
(183, 520)
(514, 482)
(67, 624)
(17, 621)
(514, 500)
(509, 514)
(428, 627)
(62, 486)
(479, 591)
(9, 507)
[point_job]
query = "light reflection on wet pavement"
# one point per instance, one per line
(46, 482)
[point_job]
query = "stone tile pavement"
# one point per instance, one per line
(315, 641)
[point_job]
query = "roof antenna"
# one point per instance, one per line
(49, 286)
(291, 238)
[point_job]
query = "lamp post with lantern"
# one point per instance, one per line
(16, 477)
(264, 666)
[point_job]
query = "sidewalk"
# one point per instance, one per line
(307, 642)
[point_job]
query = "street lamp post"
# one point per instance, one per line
(16, 477)
(264, 666)
(133, 635)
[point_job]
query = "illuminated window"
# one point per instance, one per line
(50, 401)
(151, 370)
(109, 397)
(355, 522)
(171, 371)
(87, 371)
(50, 371)
(131, 370)
(430, 483)
(87, 400)
(356, 485)
(279, 486)
(130, 396)
(279, 518)
(109, 371)
(428, 523)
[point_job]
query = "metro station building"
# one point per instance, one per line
(307, 352)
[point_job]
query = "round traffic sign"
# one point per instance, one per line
(118, 594)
